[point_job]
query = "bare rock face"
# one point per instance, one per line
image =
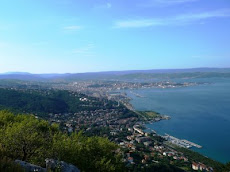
(51, 165)
(54, 165)
(30, 167)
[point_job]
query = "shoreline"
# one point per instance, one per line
(169, 138)
(203, 151)
(148, 119)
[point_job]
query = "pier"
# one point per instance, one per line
(191, 143)
(182, 143)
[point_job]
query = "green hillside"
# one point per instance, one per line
(49, 101)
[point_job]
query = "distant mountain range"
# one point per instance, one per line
(130, 74)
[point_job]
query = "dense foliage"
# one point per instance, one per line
(48, 101)
(26, 138)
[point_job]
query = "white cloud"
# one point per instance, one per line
(73, 28)
(176, 20)
(204, 15)
(138, 23)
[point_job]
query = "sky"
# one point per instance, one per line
(75, 36)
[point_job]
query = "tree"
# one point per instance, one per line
(24, 137)
(87, 153)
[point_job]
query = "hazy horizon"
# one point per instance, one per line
(160, 69)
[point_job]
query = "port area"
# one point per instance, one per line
(182, 143)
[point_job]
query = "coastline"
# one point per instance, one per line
(150, 117)
(169, 138)
(178, 103)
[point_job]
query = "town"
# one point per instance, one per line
(111, 118)
(127, 130)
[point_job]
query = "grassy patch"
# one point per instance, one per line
(148, 114)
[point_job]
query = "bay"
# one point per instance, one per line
(200, 114)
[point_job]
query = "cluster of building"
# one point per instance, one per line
(141, 147)
(112, 118)
(149, 149)
(201, 167)
(152, 150)
(104, 88)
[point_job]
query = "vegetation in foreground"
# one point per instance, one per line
(26, 138)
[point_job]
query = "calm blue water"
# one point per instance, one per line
(200, 114)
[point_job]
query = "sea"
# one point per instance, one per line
(200, 113)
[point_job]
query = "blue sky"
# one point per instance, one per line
(60, 36)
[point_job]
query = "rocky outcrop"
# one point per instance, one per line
(30, 167)
(51, 165)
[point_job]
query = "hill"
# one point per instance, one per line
(49, 101)
(132, 74)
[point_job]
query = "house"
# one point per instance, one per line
(146, 157)
(133, 148)
(170, 154)
(130, 159)
(138, 130)
(83, 99)
(113, 133)
(122, 143)
(141, 139)
(143, 161)
(202, 167)
(130, 129)
(175, 157)
(147, 143)
(195, 166)
(183, 158)
(129, 137)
